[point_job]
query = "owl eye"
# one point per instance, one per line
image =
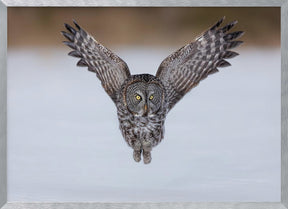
(151, 97)
(138, 97)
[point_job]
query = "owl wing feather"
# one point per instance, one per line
(185, 68)
(109, 68)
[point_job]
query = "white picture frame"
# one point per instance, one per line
(283, 4)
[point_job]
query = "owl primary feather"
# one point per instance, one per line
(144, 100)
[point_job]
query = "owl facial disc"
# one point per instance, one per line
(143, 98)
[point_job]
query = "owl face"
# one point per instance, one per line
(143, 99)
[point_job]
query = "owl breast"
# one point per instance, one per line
(141, 131)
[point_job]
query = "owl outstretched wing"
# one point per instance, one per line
(109, 68)
(185, 68)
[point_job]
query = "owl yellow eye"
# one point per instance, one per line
(151, 97)
(138, 97)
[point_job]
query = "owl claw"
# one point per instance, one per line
(147, 157)
(137, 155)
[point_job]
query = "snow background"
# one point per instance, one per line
(222, 141)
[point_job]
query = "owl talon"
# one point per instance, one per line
(137, 155)
(147, 157)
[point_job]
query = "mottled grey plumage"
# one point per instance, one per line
(144, 100)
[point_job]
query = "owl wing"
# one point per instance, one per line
(185, 68)
(109, 68)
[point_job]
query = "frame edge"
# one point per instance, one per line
(133, 3)
(284, 105)
(3, 104)
(147, 205)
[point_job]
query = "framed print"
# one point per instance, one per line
(64, 136)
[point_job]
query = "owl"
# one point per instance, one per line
(143, 101)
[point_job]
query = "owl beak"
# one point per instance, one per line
(145, 110)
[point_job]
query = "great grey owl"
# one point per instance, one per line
(144, 100)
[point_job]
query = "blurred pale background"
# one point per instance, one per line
(222, 141)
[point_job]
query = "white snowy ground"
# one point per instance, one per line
(222, 141)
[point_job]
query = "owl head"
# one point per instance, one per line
(143, 95)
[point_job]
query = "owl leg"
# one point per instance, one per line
(147, 148)
(147, 157)
(137, 151)
(137, 155)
